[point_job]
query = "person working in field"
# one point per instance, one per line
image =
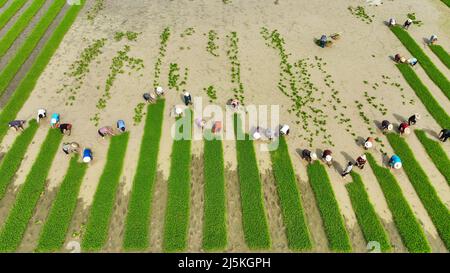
(41, 114)
(368, 144)
(323, 41)
(17, 124)
(285, 130)
(399, 58)
(433, 39)
(407, 23)
(200, 123)
(412, 61)
(257, 134)
(395, 162)
(66, 129)
(106, 131)
(361, 161)
(149, 98)
(308, 155)
(326, 156)
(69, 148)
(347, 169)
(87, 155)
(187, 98)
(392, 22)
(444, 135)
(159, 91)
(54, 121)
(404, 128)
(121, 126)
(413, 119)
(386, 126)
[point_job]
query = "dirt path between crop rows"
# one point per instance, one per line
(30, 61)
(13, 19)
(196, 215)
(158, 209)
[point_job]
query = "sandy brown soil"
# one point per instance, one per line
(362, 54)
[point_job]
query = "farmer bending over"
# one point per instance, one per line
(65, 128)
(444, 135)
(42, 113)
(106, 131)
(17, 124)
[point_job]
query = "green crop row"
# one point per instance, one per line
(27, 85)
(368, 220)
(215, 227)
(435, 75)
(14, 65)
(329, 209)
(254, 220)
(55, 229)
(10, 12)
(447, 2)
(138, 217)
(19, 26)
(436, 209)
(442, 54)
(2, 3)
(433, 107)
(16, 224)
(178, 194)
(12, 160)
(101, 210)
(436, 153)
(291, 206)
(409, 228)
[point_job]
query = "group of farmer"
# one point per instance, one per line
(66, 129)
(394, 161)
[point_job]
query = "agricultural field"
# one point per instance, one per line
(168, 185)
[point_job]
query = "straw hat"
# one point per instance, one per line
(86, 159)
(368, 144)
(313, 156)
(328, 158)
(398, 165)
(159, 89)
(417, 115)
(364, 157)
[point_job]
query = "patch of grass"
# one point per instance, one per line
(22, 54)
(178, 195)
(432, 71)
(2, 3)
(138, 217)
(130, 35)
(409, 228)
(98, 6)
(212, 47)
(436, 153)
(368, 220)
(28, 83)
(164, 40)
(13, 158)
(23, 21)
(215, 226)
(16, 224)
(447, 2)
(55, 228)
(211, 92)
(9, 13)
(360, 12)
(329, 209)
(436, 209)
(254, 220)
(442, 54)
(100, 213)
(433, 107)
(294, 217)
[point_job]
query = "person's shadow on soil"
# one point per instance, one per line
(360, 141)
(400, 118)
(432, 133)
(348, 157)
(338, 167)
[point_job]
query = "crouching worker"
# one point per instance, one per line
(66, 128)
(412, 61)
(308, 155)
(386, 126)
(404, 128)
(54, 121)
(368, 144)
(407, 23)
(326, 156)
(69, 148)
(187, 98)
(121, 126)
(41, 114)
(87, 155)
(433, 39)
(413, 119)
(347, 169)
(392, 22)
(284, 130)
(159, 91)
(106, 131)
(395, 162)
(399, 58)
(323, 41)
(17, 124)
(149, 98)
(361, 161)
(444, 135)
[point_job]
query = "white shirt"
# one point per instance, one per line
(42, 112)
(284, 129)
